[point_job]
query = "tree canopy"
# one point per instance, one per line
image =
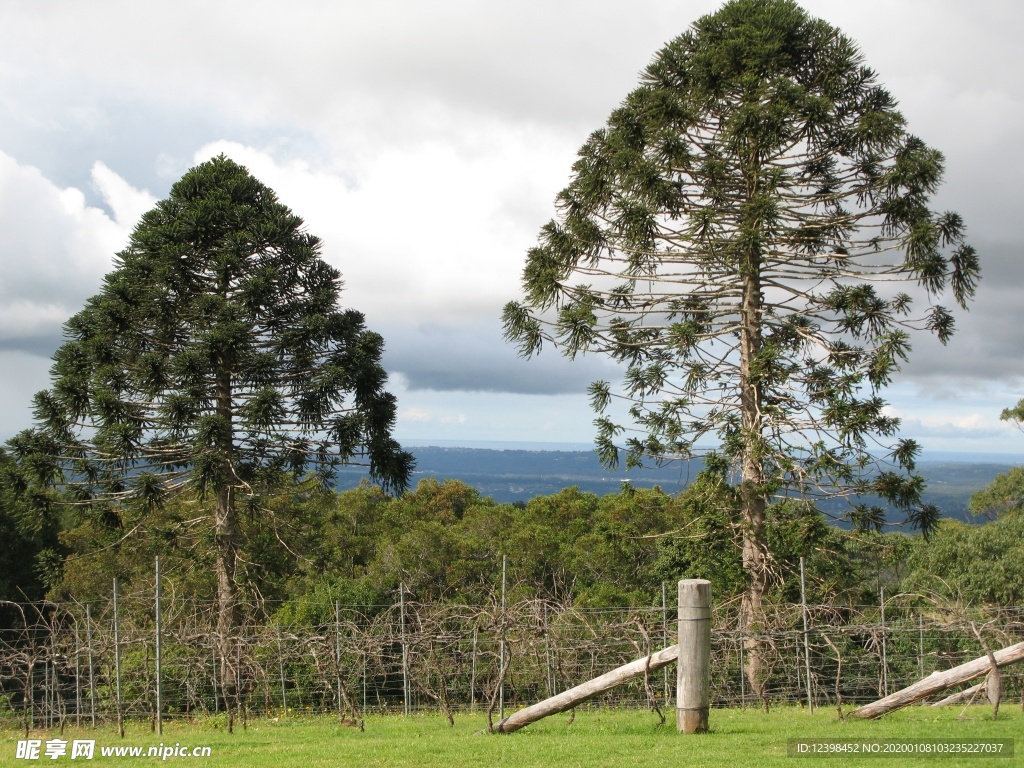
(744, 237)
(1015, 414)
(977, 564)
(215, 355)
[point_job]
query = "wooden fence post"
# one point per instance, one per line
(573, 697)
(693, 689)
(937, 682)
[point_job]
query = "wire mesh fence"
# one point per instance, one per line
(106, 662)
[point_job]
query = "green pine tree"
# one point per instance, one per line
(735, 238)
(214, 362)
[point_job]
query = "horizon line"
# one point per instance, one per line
(995, 457)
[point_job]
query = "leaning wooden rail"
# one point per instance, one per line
(692, 695)
(939, 681)
(588, 690)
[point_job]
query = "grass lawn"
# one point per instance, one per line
(598, 737)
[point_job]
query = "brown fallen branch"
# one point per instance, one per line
(652, 698)
(588, 690)
(940, 681)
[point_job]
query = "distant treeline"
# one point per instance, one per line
(519, 475)
(444, 541)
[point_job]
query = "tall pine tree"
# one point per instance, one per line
(736, 238)
(214, 361)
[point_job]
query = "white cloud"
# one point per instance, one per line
(415, 415)
(432, 233)
(957, 425)
(425, 415)
(27, 319)
(973, 425)
(125, 201)
(54, 248)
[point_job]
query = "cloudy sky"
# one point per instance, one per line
(424, 142)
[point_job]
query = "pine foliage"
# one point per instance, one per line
(215, 355)
(750, 238)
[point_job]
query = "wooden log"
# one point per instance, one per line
(940, 681)
(575, 696)
(964, 695)
(693, 690)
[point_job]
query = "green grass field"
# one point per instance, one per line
(598, 737)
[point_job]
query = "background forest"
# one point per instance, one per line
(444, 541)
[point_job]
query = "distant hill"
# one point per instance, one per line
(509, 475)
(518, 475)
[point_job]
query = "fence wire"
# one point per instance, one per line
(65, 663)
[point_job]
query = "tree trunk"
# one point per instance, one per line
(752, 493)
(226, 542)
(751, 611)
(226, 535)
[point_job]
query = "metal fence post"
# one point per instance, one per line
(92, 677)
(472, 671)
(807, 645)
(58, 698)
(549, 678)
(117, 663)
(664, 634)
(885, 660)
(337, 654)
(47, 712)
(501, 663)
(743, 678)
(280, 669)
(405, 651)
(78, 677)
(159, 669)
(920, 647)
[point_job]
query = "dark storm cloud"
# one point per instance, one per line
(988, 345)
(42, 345)
(477, 359)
